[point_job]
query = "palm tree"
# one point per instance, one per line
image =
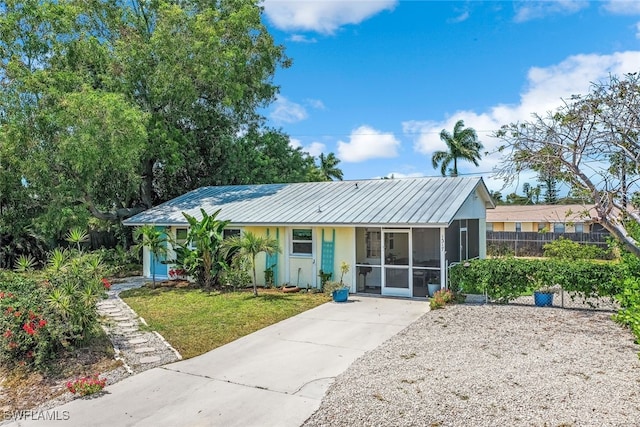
(463, 144)
(156, 241)
(250, 245)
(328, 167)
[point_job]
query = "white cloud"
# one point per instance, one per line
(285, 111)
(299, 38)
(315, 103)
(401, 175)
(324, 16)
(529, 10)
(367, 143)
(544, 91)
(314, 149)
(460, 18)
(623, 7)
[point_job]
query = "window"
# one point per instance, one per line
(579, 227)
(518, 227)
(230, 232)
(542, 227)
(181, 235)
(558, 227)
(489, 226)
(302, 242)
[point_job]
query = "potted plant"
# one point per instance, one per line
(434, 285)
(543, 296)
(338, 290)
(543, 292)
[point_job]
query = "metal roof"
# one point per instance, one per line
(409, 201)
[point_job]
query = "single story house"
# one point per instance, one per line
(397, 235)
(542, 218)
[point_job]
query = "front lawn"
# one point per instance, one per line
(195, 322)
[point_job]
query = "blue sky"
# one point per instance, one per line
(376, 81)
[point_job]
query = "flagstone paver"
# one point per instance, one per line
(122, 326)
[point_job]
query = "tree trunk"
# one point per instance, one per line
(255, 280)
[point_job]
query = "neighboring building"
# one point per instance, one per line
(542, 218)
(397, 235)
(523, 230)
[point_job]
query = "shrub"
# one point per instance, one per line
(42, 314)
(504, 279)
(629, 299)
(567, 249)
(87, 385)
(441, 298)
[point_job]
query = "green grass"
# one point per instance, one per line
(195, 322)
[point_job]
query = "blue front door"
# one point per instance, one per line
(156, 266)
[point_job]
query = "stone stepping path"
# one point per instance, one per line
(139, 350)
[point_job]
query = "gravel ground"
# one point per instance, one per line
(493, 365)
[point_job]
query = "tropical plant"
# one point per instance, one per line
(76, 236)
(40, 315)
(328, 167)
(155, 241)
(344, 269)
(249, 245)
(203, 255)
(24, 263)
(463, 144)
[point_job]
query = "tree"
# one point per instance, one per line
(249, 246)
(155, 241)
(578, 143)
(496, 196)
(550, 185)
(463, 144)
(117, 106)
(328, 167)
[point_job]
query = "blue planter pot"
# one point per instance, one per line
(340, 295)
(543, 299)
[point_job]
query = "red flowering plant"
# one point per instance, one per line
(177, 273)
(87, 385)
(44, 314)
(23, 326)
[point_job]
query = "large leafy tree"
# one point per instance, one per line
(462, 144)
(592, 144)
(110, 107)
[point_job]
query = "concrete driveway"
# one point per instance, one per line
(274, 377)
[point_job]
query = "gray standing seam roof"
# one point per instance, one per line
(409, 201)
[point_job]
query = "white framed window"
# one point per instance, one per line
(579, 227)
(558, 227)
(489, 226)
(518, 227)
(301, 241)
(542, 226)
